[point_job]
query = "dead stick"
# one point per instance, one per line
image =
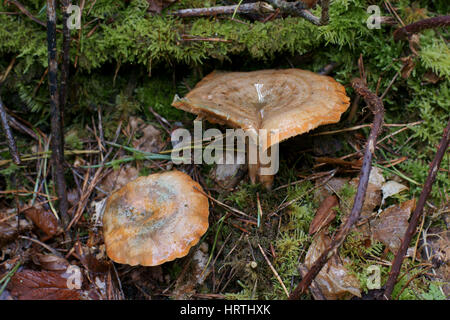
(56, 129)
(66, 60)
(9, 136)
(376, 106)
(256, 7)
(434, 167)
(26, 12)
(418, 26)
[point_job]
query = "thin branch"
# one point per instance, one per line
(255, 7)
(26, 12)
(376, 106)
(434, 168)
(9, 136)
(431, 23)
(56, 129)
(66, 59)
(295, 8)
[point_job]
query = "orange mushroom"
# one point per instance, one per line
(291, 101)
(155, 219)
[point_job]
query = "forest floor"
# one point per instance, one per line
(260, 243)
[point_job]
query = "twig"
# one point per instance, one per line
(376, 106)
(434, 167)
(66, 60)
(5, 280)
(56, 129)
(8, 70)
(55, 252)
(295, 8)
(431, 23)
(9, 136)
(365, 126)
(187, 37)
(255, 7)
(231, 209)
(273, 270)
(26, 12)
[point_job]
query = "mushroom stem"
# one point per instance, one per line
(266, 179)
(253, 168)
(254, 172)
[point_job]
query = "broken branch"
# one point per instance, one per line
(56, 129)
(434, 167)
(431, 23)
(376, 106)
(256, 7)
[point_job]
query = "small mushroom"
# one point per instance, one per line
(155, 219)
(289, 101)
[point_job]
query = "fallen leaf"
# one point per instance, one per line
(391, 225)
(431, 77)
(42, 285)
(334, 280)
(196, 275)
(156, 6)
(10, 228)
(333, 185)
(408, 66)
(99, 209)
(391, 188)
(325, 214)
(52, 262)
(118, 178)
(227, 176)
(43, 219)
(373, 193)
(89, 259)
(376, 177)
(150, 138)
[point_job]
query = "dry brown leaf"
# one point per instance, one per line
(41, 285)
(52, 262)
(431, 77)
(372, 199)
(43, 219)
(408, 66)
(392, 223)
(195, 275)
(332, 186)
(150, 141)
(156, 6)
(90, 261)
(118, 178)
(325, 214)
(334, 280)
(10, 228)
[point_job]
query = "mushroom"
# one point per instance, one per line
(155, 219)
(289, 101)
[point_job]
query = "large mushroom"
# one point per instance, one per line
(289, 101)
(155, 219)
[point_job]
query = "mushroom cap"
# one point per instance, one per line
(292, 101)
(155, 219)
